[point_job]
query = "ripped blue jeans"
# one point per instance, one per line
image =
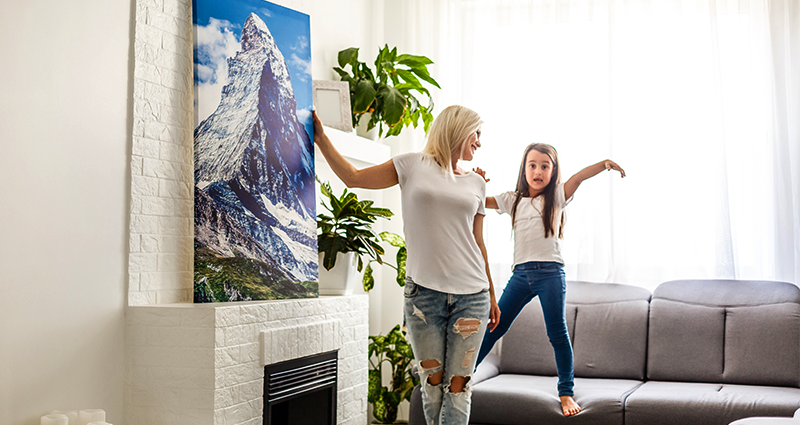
(445, 331)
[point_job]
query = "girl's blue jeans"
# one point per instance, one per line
(446, 330)
(547, 280)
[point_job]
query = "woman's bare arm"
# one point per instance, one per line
(494, 310)
(376, 177)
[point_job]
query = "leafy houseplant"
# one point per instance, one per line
(395, 350)
(386, 91)
(348, 228)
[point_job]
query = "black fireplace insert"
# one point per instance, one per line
(301, 391)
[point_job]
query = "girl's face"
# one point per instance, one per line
(471, 145)
(538, 171)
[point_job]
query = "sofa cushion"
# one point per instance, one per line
(762, 345)
(685, 342)
(511, 399)
(607, 324)
(725, 331)
(610, 340)
(668, 403)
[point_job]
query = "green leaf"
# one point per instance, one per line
(393, 238)
(394, 104)
(427, 118)
(368, 281)
(409, 78)
(402, 255)
(394, 131)
(423, 74)
(413, 60)
(380, 212)
(373, 385)
(379, 410)
(348, 56)
(329, 259)
(363, 96)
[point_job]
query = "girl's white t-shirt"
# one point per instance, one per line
(438, 214)
(529, 241)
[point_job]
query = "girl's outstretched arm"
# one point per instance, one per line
(572, 184)
(376, 177)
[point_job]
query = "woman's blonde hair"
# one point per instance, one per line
(448, 133)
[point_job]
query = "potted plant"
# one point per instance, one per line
(394, 350)
(387, 92)
(348, 229)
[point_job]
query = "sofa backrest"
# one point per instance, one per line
(725, 331)
(607, 324)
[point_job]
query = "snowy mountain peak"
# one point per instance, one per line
(222, 138)
(256, 35)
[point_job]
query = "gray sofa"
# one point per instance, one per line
(692, 352)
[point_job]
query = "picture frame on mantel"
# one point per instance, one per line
(332, 103)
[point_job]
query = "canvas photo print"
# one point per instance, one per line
(254, 222)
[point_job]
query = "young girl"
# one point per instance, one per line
(537, 218)
(449, 297)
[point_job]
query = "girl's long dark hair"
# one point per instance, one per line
(549, 192)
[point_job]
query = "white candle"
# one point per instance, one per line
(55, 420)
(91, 415)
(71, 414)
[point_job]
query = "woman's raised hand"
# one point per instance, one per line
(319, 131)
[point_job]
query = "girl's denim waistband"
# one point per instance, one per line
(535, 265)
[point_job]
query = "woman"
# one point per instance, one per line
(449, 295)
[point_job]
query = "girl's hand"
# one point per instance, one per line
(481, 173)
(494, 315)
(611, 165)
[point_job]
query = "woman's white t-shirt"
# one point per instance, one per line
(438, 214)
(529, 241)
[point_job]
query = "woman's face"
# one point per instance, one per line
(471, 145)
(538, 171)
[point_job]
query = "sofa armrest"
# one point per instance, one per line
(489, 368)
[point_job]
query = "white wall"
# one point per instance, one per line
(64, 138)
(65, 142)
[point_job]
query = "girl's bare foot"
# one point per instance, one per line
(569, 406)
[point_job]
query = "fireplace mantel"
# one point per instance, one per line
(199, 364)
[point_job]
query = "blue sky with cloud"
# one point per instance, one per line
(218, 27)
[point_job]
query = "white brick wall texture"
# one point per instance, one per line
(198, 364)
(161, 232)
(204, 364)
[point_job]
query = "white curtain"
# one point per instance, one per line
(698, 100)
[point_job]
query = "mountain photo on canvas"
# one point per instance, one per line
(254, 214)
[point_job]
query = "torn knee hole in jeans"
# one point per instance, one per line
(425, 368)
(466, 326)
(465, 387)
(429, 365)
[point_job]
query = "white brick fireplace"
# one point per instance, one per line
(203, 364)
(199, 364)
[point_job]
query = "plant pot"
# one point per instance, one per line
(361, 128)
(342, 278)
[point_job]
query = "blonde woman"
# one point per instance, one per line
(449, 295)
